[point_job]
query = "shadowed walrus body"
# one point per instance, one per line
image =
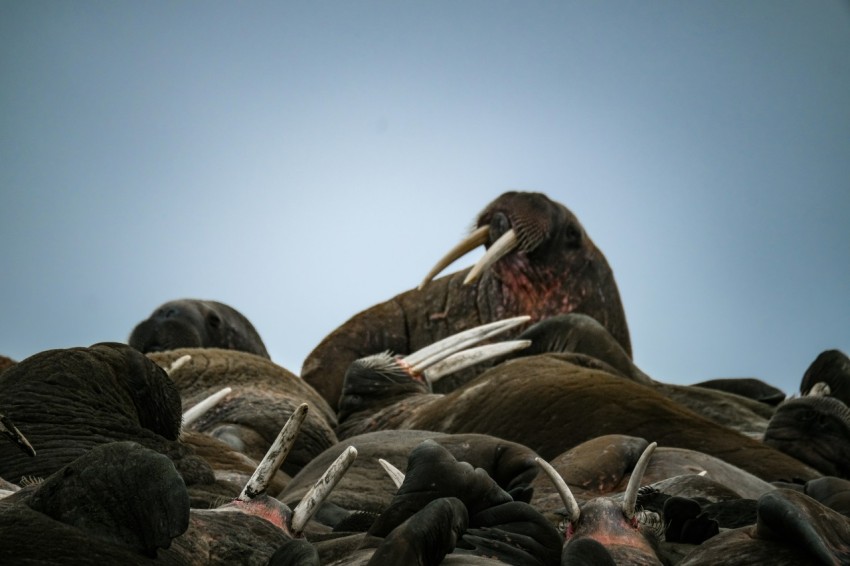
(551, 405)
(555, 269)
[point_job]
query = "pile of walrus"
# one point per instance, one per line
(372, 456)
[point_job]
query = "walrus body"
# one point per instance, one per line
(555, 268)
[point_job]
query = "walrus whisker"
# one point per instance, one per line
(477, 238)
(395, 474)
(500, 248)
(472, 356)
(631, 494)
(573, 510)
(194, 413)
(320, 491)
(262, 476)
(429, 355)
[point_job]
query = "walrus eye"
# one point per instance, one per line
(214, 320)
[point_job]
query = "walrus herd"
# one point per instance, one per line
(489, 416)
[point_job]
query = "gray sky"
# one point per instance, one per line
(304, 161)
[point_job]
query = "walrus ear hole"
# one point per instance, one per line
(213, 320)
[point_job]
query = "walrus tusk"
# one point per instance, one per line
(475, 239)
(501, 247)
(429, 355)
(178, 363)
(395, 474)
(194, 413)
(573, 510)
(819, 389)
(12, 433)
(275, 456)
(472, 356)
(311, 501)
(630, 497)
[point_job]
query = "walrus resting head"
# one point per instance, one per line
(193, 323)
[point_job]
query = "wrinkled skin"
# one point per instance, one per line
(833, 368)
(367, 488)
(194, 323)
(121, 502)
(792, 529)
(815, 430)
(557, 269)
(69, 401)
(264, 396)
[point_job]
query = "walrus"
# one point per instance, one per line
(263, 395)
(195, 323)
(548, 265)
(791, 529)
(577, 333)
(550, 404)
(831, 367)
(815, 430)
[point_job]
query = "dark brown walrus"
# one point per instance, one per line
(551, 404)
(550, 266)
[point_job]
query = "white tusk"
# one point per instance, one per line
(819, 389)
(474, 240)
(630, 497)
(573, 511)
(178, 363)
(194, 413)
(275, 456)
(395, 474)
(499, 249)
(320, 491)
(430, 355)
(472, 356)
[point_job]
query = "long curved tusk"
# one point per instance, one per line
(12, 433)
(474, 240)
(320, 491)
(472, 356)
(395, 474)
(430, 355)
(630, 497)
(275, 456)
(194, 413)
(497, 251)
(573, 511)
(178, 363)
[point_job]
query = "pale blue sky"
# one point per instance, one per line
(304, 161)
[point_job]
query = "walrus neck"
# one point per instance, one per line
(521, 287)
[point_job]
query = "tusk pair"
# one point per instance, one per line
(280, 448)
(501, 247)
(629, 497)
(819, 389)
(440, 351)
(472, 356)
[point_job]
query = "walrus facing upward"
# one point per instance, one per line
(194, 323)
(540, 262)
